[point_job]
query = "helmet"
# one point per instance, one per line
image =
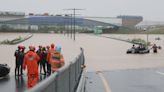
(58, 48)
(40, 46)
(52, 45)
(23, 47)
(19, 46)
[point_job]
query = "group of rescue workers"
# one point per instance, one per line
(142, 47)
(49, 56)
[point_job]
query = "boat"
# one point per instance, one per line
(4, 70)
(20, 39)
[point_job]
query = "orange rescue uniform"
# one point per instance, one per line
(30, 60)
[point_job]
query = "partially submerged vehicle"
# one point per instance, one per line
(138, 51)
(4, 70)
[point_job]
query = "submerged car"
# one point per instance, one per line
(138, 51)
(4, 70)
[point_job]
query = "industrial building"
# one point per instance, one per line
(20, 21)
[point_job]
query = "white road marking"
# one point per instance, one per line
(161, 73)
(105, 83)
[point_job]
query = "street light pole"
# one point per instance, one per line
(147, 37)
(74, 24)
(74, 21)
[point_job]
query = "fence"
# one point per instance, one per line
(65, 79)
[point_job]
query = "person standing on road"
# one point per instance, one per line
(56, 59)
(39, 51)
(47, 64)
(22, 58)
(43, 60)
(49, 54)
(30, 61)
(18, 58)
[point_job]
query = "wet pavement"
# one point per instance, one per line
(16, 83)
(134, 80)
(19, 84)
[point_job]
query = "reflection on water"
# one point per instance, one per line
(23, 83)
(20, 84)
(4, 79)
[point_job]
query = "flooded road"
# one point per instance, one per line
(10, 84)
(108, 54)
(110, 69)
(104, 58)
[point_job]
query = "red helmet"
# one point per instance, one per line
(23, 47)
(19, 46)
(52, 45)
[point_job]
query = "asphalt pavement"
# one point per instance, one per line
(133, 80)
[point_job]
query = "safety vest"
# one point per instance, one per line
(55, 59)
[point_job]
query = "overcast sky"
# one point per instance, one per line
(149, 9)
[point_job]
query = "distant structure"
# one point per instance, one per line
(149, 25)
(6, 16)
(130, 21)
(36, 22)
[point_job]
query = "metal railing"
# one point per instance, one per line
(66, 79)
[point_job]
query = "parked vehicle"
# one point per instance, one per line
(4, 70)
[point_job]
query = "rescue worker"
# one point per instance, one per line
(39, 53)
(47, 63)
(22, 58)
(133, 47)
(43, 60)
(47, 48)
(56, 59)
(18, 58)
(30, 61)
(155, 48)
(49, 54)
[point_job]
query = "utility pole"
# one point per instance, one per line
(74, 21)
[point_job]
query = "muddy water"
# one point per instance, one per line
(69, 48)
(108, 54)
(100, 53)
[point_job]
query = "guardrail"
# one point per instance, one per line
(66, 79)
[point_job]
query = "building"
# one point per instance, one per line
(20, 21)
(130, 21)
